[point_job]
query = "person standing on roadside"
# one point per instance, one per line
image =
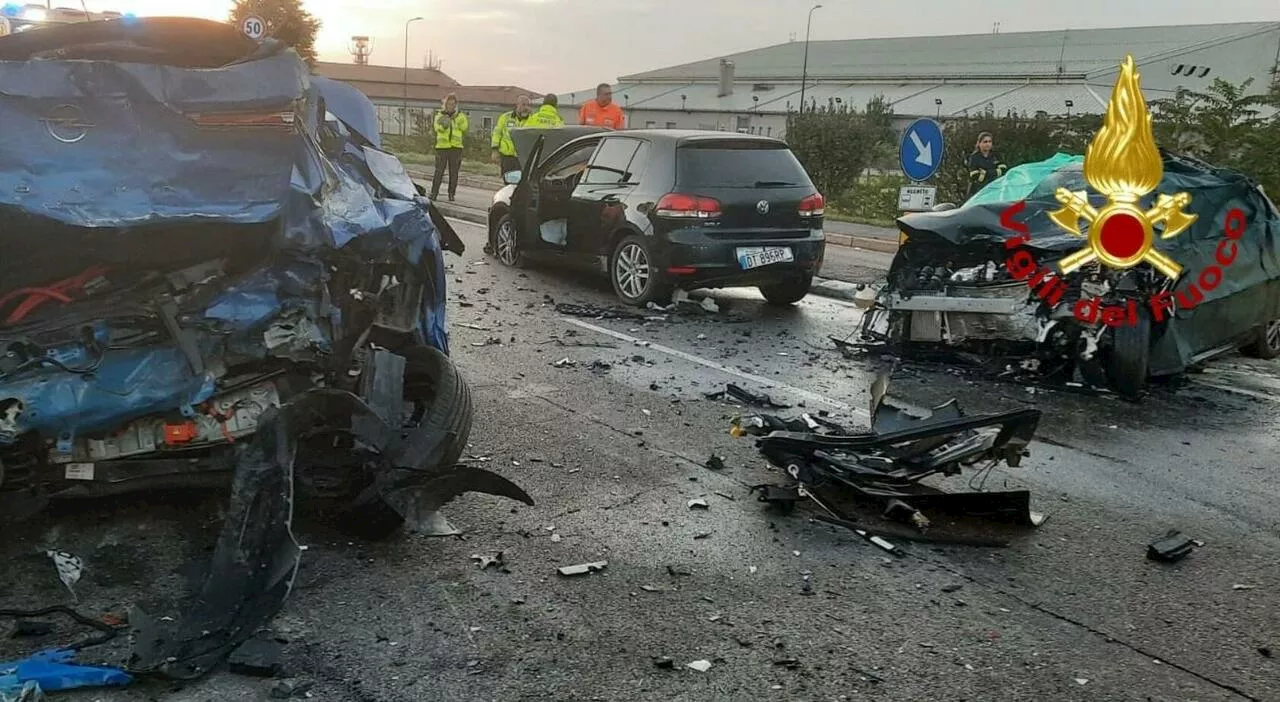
(548, 115)
(985, 165)
(450, 126)
(602, 111)
(504, 149)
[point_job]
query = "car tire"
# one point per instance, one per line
(635, 277)
(787, 292)
(506, 245)
(1267, 343)
(1129, 359)
(442, 406)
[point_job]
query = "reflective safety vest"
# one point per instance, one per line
(449, 131)
(545, 117)
(502, 132)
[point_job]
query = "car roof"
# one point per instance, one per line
(685, 136)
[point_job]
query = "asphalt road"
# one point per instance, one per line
(1070, 611)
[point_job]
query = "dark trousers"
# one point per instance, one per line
(508, 163)
(453, 159)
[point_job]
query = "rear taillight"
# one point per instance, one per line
(276, 119)
(680, 206)
(813, 206)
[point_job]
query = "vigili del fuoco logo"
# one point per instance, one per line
(1123, 164)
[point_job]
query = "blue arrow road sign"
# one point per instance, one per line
(921, 151)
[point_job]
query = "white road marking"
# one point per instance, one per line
(1236, 391)
(808, 395)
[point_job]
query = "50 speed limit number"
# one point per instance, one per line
(253, 27)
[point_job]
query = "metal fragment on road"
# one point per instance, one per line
(486, 562)
(698, 503)
(583, 569)
(700, 666)
(69, 567)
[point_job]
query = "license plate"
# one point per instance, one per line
(756, 256)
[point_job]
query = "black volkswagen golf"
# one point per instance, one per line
(660, 209)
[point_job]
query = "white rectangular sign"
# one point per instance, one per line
(917, 198)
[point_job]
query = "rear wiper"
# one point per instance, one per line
(771, 183)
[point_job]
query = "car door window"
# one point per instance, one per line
(611, 162)
(569, 164)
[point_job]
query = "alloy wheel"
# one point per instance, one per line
(632, 271)
(507, 243)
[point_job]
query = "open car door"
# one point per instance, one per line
(526, 198)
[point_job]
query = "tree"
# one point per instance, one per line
(286, 21)
(836, 143)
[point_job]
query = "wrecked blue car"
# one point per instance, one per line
(213, 275)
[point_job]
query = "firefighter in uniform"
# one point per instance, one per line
(504, 149)
(985, 165)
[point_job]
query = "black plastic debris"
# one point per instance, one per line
(289, 689)
(598, 312)
(1171, 547)
(259, 658)
(888, 464)
(24, 628)
(747, 397)
(715, 462)
(664, 663)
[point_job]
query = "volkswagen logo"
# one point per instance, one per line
(67, 124)
(762, 207)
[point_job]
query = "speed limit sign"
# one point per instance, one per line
(253, 27)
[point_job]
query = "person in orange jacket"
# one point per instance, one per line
(602, 111)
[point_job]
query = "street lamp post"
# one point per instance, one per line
(404, 116)
(804, 72)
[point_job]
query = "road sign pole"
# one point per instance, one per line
(920, 156)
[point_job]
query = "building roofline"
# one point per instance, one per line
(1254, 28)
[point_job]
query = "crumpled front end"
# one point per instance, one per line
(983, 279)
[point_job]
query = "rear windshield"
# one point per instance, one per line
(738, 165)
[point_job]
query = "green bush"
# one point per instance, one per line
(837, 143)
(873, 199)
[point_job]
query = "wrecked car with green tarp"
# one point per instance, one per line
(960, 281)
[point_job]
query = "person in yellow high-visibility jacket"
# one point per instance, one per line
(548, 115)
(450, 126)
(504, 149)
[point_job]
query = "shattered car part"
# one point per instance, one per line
(905, 445)
(954, 285)
(1173, 546)
(224, 281)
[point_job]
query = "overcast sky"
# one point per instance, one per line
(564, 45)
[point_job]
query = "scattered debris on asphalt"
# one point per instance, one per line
(476, 327)
(715, 462)
(887, 464)
(69, 568)
(599, 312)
(746, 397)
(289, 689)
(700, 666)
(664, 663)
(486, 562)
(258, 657)
(565, 362)
(583, 569)
(1241, 586)
(1171, 547)
(491, 341)
(698, 503)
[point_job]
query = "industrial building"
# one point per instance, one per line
(392, 89)
(1028, 73)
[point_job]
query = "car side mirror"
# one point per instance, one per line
(511, 177)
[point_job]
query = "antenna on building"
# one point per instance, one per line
(995, 27)
(791, 37)
(360, 48)
(432, 61)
